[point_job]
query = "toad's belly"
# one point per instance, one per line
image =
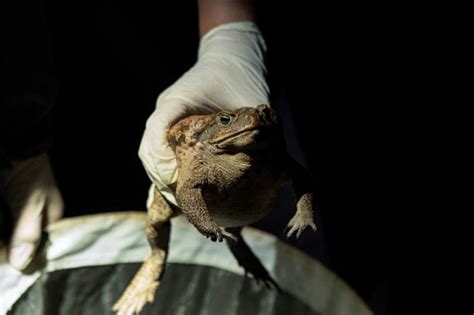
(234, 209)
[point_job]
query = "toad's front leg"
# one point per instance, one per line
(146, 281)
(301, 184)
(194, 207)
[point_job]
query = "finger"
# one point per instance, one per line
(55, 208)
(219, 236)
(291, 231)
(300, 230)
(27, 232)
(230, 237)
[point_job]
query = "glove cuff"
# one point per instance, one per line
(243, 26)
(242, 39)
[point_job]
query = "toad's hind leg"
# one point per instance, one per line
(143, 286)
(247, 260)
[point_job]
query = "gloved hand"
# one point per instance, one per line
(229, 74)
(30, 192)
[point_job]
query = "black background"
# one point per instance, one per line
(332, 75)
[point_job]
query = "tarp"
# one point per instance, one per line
(88, 261)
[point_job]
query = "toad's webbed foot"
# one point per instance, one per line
(259, 273)
(141, 290)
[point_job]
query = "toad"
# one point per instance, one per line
(231, 166)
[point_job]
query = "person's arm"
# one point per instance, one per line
(216, 12)
(229, 74)
(29, 196)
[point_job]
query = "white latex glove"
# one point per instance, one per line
(30, 192)
(229, 74)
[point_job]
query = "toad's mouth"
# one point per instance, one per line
(241, 134)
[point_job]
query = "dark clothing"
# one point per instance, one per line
(103, 67)
(28, 80)
(106, 59)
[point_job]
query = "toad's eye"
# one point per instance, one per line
(225, 119)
